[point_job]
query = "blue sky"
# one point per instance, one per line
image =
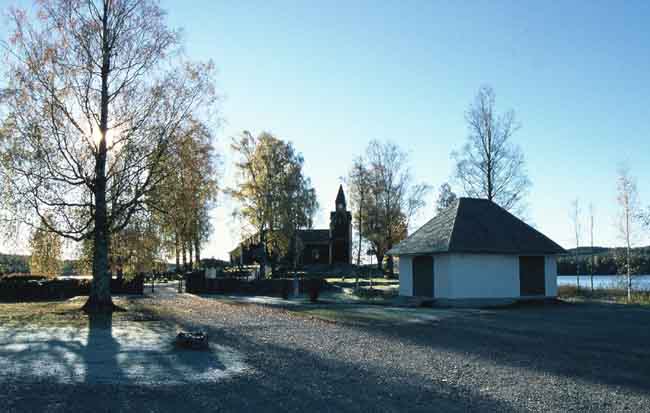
(329, 76)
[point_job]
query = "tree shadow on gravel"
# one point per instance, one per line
(598, 343)
(101, 351)
(292, 379)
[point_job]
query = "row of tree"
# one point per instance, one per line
(632, 221)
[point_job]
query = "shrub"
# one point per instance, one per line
(368, 293)
(285, 289)
(314, 292)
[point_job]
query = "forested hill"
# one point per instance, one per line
(608, 261)
(14, 263)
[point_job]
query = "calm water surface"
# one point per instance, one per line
(639, 282)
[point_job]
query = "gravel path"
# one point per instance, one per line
(564, 358)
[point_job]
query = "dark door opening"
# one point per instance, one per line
(532, 280)
(423, 276)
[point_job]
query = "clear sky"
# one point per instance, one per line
(331, 75)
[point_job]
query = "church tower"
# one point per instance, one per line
(340, 231)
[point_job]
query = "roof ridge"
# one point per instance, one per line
(477, 225)
(453, 223)
(529, 226)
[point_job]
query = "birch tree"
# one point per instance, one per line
(490, 165)
(183, 202)
(275, 198)
(628, 216)
(46, 248)
(358, 181)
(395, 199)
(446, 197)
(593, 255)
(93, 101)
(577, 229)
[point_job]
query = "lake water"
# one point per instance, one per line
(639, 282)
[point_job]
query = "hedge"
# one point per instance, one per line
(196, 283)
(28, 290)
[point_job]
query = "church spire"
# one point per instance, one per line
(340, 199)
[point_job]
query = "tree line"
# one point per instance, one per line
(604, 261)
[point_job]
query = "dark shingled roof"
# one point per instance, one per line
(476, 226)
(314, 235)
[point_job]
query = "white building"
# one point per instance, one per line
(477, 251)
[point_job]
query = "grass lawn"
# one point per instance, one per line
(614, 295)
(61, 313)
(360, 315)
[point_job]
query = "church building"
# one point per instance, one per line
(319, 246)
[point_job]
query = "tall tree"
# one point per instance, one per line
(395, 199)
(358, 181)
(275, 198)
(45, 253)
(628, 216)
(183, 202)
(490, 165)
(577, 229)
(93, 102)
(446, 197)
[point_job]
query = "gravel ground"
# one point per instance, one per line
(560, 358)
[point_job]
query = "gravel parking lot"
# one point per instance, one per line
(583, 357)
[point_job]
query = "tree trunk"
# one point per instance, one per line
(593, 257)
(184, 246)
(380, 262)
(263, 250)
(391, 265)
(177, 248)
(197, 252)
(189, 251)
(99, 300)
(629, 276)
(577, 271)
(360, 226)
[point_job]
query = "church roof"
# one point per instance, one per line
(314, 235)
(473, 225)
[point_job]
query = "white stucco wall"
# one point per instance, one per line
(483, 276)
(551, 276)
(461, 276)
(442, 282)
(405, 275)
